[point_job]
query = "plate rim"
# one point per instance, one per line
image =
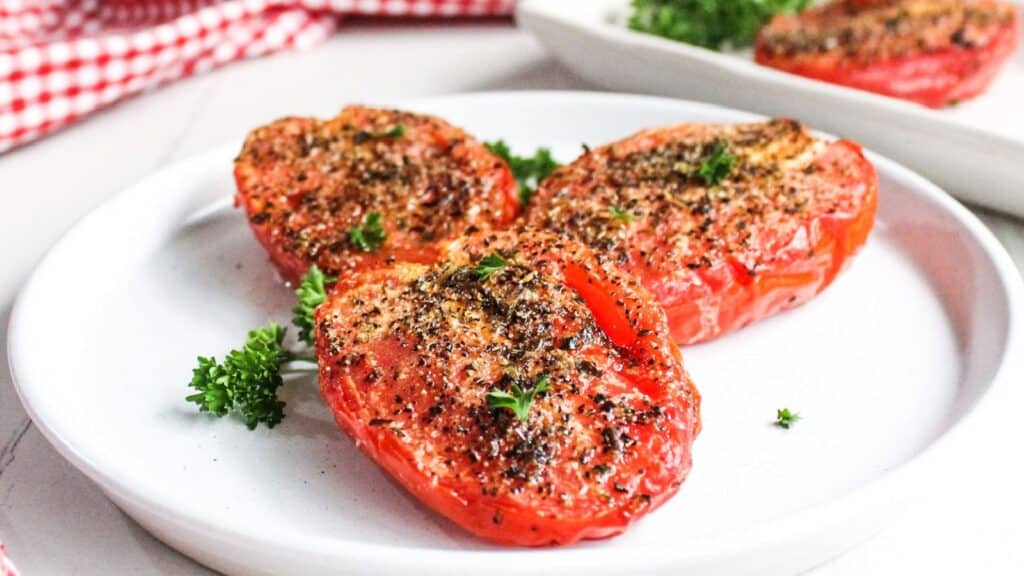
(803, 521)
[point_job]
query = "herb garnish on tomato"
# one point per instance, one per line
(528, 170)
(370, 236)
(518, 400)
(489, 265)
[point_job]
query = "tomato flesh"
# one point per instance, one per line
(940, 54)
(408, 355)
(769, 236)
(305, 184)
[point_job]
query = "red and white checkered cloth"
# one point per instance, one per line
(63, 59)
(6, 566)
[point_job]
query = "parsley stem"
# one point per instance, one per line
(293, 357)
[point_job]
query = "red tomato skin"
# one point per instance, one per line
(935, 79)
(665, 463)
(701, 278)
(298, 180)
(729, 294)
(475, 514)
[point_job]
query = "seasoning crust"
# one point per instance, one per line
(305, 184)
(788, 211)
(409, 354)
(934, 52)
(865, 31)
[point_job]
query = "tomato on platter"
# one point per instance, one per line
(516, 386)
(724, 224)
(934, 52)
(366, 188)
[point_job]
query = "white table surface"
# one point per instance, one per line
(53, 520)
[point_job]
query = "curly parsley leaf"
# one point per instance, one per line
(312, 292)
(784, 418)
(246, 381)
(528, 170)
(714, 24)
(518, 400)
(396, 131)
(621, 215)
(370, 236)
(489, 265)
(716, 165)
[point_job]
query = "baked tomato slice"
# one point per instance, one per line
(367, 187)
(723, 224)
(516, 386)
(934, 52)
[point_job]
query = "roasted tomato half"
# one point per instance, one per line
(367, 187)
(934, 52)
(516, 386)
(723, 224)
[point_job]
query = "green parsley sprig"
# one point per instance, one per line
(312, 292)
(248, 380)
(370, 236)
(396, 131)
(489, 265)
(518, 400)
(784, 418)
(716, 165)
(621, 215)
(528, 170)
(714, 24)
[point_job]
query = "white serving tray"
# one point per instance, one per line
(975, 150)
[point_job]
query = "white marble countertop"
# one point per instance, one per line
(55, 521)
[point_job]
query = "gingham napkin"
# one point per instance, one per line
(63, 59)
(6, 566)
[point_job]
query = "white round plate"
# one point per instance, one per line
(882, 366)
